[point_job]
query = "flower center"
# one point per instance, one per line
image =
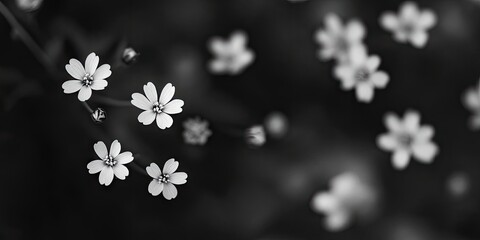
(164, 178)
(158, 107)
(362, 75)
(405, 139)
(87, 80)
(109, 161)
(342, 44)
(408, 27)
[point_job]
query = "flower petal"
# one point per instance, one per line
(472, 99)
(100, 149)
(167, 94)
(140, 101)
(75, 69)
(364, 92)
(355, 31)
(337, 220)
(147, 117)
(178, 178)
(151, 92)
(164, 120)
(425, 133)
(419, 39)
(95, 166)
(91, 63)
(333, 23)
(99, 84)
(102, 72)
(106, 176)
(400, 159)
(325, 202)
(389, 21)
(427, 19)
(155, 187)
(124, 158)
(387, 142)
(169, 191)
(393, 123)
(411, 121)
(379, 79)
(425, 152)
(372, 63)
(409, 11)
(115, 148)
(170, 166)
(174, 107)
(71, 86)
(84, 94)
(120, 171)
(153, 170)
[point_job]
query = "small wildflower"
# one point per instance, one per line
(99, 115)
(110, 163)
(165, 181)
(361, 73)
(29, 5)
(155, 108)
(231, 56)
(406, 138)
(276, 124)
(196, 131)
(255, 136)
(130, 56)
(87, 78)
(410, 25)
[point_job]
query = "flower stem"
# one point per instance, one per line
(138, 168)
(112, 102)
(89, 109)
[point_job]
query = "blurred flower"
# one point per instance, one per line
(360, 72)
(110, 163)
(129, 55)
(255, 136)
(406, 138)
(29, 5)
(196, 131)
(164, 181)
(157, 108)
(276, 124)
(87, 78)
(99, 115)
(458, 184)
(411, 24)
(349, 195)
(336, 40)
(471, 100)
(231, 56)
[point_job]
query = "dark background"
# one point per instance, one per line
(233, 191)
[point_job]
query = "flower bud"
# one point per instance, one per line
(255, 136)
(29, 5)
(129, 55)
(99, 115)
(276, 124)
(196, 131)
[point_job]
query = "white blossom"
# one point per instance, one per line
(110, 163)
(361, 73)
(336, 40)
(255, 135)
(410, 25)
(231, 55)
(196, 131)
(155, 108)
(165, 181)
(471, 100)
(86, 79)
(406, 138)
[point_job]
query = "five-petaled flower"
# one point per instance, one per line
(406, 138)
(361, 73)
(163, 181)
(155, 107)
(337, 40)
(196, 131)
(231, 56)
(471, 100)
(87, 78)
(110, 163)
(410, 25)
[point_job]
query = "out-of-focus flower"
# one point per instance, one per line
(129, 55)
(255, 136)
(231, 56)
(276, 124)
(406, 138)
(336, 40)
(29, 5)
(110, 163)
(157, 108)
(348, 196)
(471, 100)
(164, 181)
(361, 73)
(196, 131)
(458, 184)
(99, 115)
(87, 78)
(410, 25)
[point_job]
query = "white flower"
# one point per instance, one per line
(406, 138)
(110, 163)
(255, 135)
(336, 40)
(361, 73)
(410, 25)
(196, 131)
(87, 78)
(348, 196)
(163, 181)
(231, 56)
(157, 108)
(471, 100)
